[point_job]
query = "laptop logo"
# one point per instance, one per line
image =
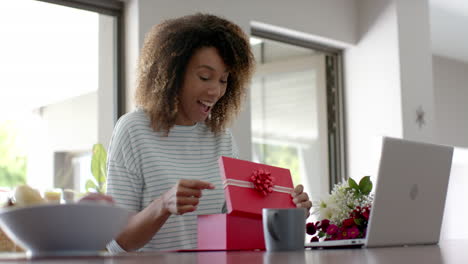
(414, 192)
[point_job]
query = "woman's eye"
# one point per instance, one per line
(223, 81)
(203, 78)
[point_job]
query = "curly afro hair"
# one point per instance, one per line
(166, 52)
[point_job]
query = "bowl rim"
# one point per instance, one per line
(9, 209)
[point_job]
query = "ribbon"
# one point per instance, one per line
(248, 184)
(263, 181)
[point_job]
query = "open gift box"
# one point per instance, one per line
(249, 187)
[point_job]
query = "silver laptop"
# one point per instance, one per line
(409, 196)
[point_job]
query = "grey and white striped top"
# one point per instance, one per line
(143, 164)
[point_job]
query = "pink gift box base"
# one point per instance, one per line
(229, 232)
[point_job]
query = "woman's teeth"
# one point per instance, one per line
(207, 105)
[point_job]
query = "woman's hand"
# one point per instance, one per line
(184, 196)
(301, 199)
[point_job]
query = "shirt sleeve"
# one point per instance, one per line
(124, 180)
(114, 247)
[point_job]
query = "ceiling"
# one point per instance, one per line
(449, 28)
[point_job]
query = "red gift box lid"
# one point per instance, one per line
(242, 198)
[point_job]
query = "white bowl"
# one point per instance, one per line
(63, 229)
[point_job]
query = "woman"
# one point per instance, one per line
(193, 73)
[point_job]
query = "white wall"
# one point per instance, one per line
(415, 57)
(445, 27)
(388, 76)
(313, 17)
(372, 95)
(331, 19)
(451, 101)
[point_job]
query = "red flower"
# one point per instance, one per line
(353, 232)
(337, 236)
(332, 229)
(310, 229)
(314, 239)
(357, 213)
(324, 224)
(317, 225)
(348, 222)
(366, 212)
(353, 227)
(366, 215)
(343, 232)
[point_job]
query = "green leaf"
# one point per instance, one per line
(321, 234)
(352, 183)
(103, 188)
(358, 221)
(365, 185)
(13, 160)
(90, 185)
(98, 164)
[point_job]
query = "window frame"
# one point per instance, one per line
(335, 99)
(111, 8)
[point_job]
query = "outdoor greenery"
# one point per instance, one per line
(280, 156)
(98, 169)
(13, 160)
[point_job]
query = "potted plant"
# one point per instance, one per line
(98, 169)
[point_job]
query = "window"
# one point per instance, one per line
(296, 110)
(61, 91)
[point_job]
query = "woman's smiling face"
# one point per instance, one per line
(205, 82)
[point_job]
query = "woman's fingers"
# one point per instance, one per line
(187, 201)
(182, 209)
(301, 198)
(196, 184)
(185, 195)
(184, 191)
(298, 190)
(307, 205)
(186, 204)
(307, 214)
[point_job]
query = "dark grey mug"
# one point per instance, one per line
(284, 229)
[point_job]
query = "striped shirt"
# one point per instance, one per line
(143, 164)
